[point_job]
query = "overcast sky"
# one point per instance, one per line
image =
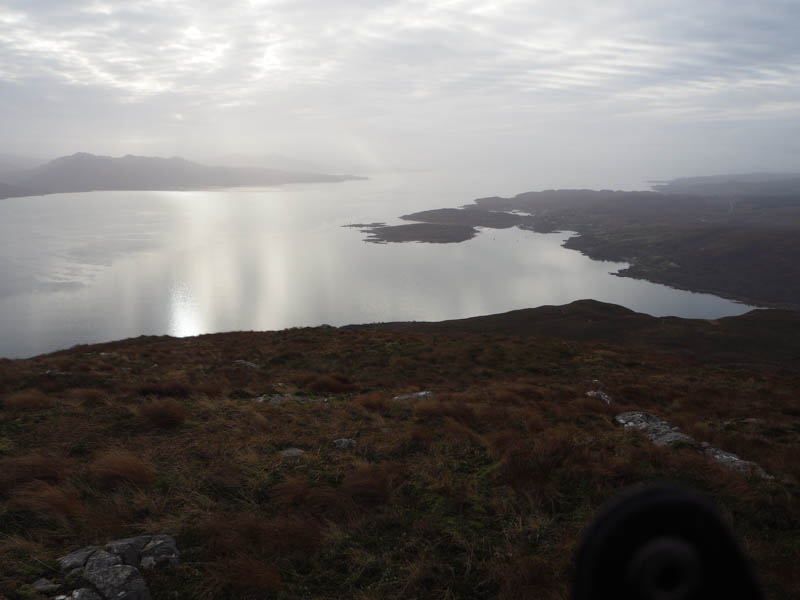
(583, 92)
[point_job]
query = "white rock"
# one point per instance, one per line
(662, 433)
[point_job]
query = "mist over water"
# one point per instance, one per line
(82, 268)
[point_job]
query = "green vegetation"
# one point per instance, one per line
(481, 490)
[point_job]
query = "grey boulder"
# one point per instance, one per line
(160, 551)
(128, 549)
(77, 559)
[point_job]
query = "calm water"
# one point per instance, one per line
(81, 268)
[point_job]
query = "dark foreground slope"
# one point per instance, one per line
(479, 491)
(757, 335)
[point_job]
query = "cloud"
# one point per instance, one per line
(382, 71)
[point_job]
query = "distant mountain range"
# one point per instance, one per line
(84, 172)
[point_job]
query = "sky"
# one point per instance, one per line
(581, 93)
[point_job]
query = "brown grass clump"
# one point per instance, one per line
(32, 399)
(413, 439)
(119, 466)
(532, 463)
(42, 497)
(370, 485)
(323, 502)
(434, 408)
(333, 383)
(244, 576)
(374, 402)
(171, 389)
(285, 536)
(89, 397)
(530, 577)
(163, 414)
(21, 469)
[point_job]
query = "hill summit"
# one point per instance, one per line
(460, 459)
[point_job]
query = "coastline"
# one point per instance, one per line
(688, 243)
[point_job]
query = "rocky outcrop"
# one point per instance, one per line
(662, 433)
(113, 570)
(657, 430)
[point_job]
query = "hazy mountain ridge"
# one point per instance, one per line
(11, 163)
(83, 172)
(12, 191)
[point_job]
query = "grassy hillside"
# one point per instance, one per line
(479, 491)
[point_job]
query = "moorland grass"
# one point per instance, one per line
(479, 491)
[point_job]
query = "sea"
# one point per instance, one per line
(80, 268)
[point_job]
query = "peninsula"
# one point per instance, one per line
(740, 239)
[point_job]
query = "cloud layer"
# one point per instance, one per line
(613, 85)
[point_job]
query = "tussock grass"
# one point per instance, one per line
(42, 497)
(480, 491)
(335, 383)
(164, 414)
(17, 470)
(120, 466)
(27, 400)
(172, 389)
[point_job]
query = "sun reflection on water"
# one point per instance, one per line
(184, 312)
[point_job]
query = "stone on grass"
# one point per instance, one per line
(275, 398)
(733, 462)
(415, 396)
(657, 430)
(114, 569)
(662, 433)
(600, 395)
(344, 443)
(292, 452)
(245, 363)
